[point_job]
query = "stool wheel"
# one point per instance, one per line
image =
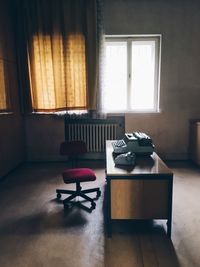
(66, 206)
(93, 205)
(58, 195)
(98, 193)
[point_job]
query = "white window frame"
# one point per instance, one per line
(129, 38)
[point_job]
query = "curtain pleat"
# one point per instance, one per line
(5, 98)
(62, 51)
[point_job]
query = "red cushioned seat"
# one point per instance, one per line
(78, 175)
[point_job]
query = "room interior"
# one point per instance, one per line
(34, 229)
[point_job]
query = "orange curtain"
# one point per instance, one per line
(5, 104)
(62, 54)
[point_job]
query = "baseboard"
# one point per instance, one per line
(57, 158)
(4, 175)
(101, 156)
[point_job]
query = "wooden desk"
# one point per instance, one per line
(143, 191)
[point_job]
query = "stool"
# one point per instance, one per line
(77, 176)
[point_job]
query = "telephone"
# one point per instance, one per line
(136, 142)
(125, 159)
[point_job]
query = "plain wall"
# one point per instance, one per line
(44, 133)
(12, 134)
(178, 22)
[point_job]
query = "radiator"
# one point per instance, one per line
(94, 134)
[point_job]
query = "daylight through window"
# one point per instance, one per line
(131, 77)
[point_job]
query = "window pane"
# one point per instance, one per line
(115, 91)
(143, 73)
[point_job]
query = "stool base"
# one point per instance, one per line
(78, 192)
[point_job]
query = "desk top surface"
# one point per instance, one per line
(144, 165)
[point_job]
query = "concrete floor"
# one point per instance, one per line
(35, 230)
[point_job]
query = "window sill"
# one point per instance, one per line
(6, 113)
(61, 114)
(116, 113)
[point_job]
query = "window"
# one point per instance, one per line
(131, 77)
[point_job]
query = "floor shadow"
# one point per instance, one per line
(44, 221)
(139, 248)
(139, 243)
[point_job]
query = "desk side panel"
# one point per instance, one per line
(139, 199)
(155, 199)
(126, 199)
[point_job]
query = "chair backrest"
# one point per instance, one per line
(73, 148)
